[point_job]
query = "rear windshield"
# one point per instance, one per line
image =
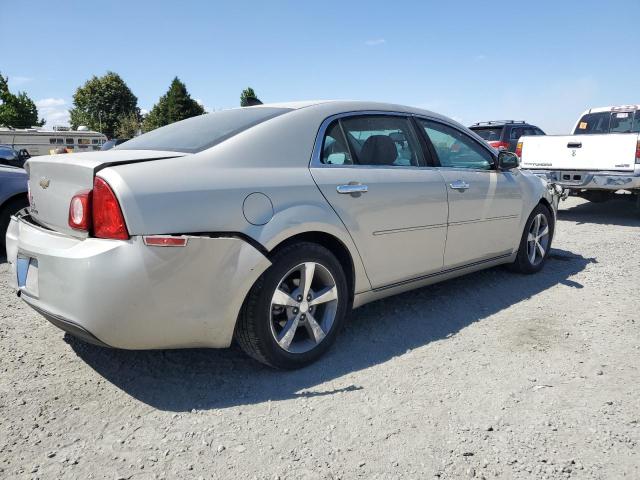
(490, 134)
(199, 133)
(609, 122)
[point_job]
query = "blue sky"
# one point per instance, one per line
(542, 61)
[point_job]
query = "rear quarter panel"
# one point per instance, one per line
(205, 192)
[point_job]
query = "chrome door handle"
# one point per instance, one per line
(352, 188)
(459, 185)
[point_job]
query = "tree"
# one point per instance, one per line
(102, 102)
(248, 98)
(17, 111)
(129, 126)
(173, 106)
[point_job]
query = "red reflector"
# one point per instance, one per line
(160, 241)
(108, 221)
(638, 152)
(80, 211)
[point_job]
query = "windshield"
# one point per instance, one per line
(609, 122)
(489, 134)
(196, 134)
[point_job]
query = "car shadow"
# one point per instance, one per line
(613, 212)
(182, 380)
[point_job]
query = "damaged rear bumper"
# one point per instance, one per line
(126, 294)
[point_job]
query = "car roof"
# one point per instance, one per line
(498, 123)
(348, 105)
(613, 108)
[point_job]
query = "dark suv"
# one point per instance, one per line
(504, 134)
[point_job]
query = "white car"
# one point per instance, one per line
(268, 224)
(599, 159)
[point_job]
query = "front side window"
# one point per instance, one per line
(456, 149)
(381, 140)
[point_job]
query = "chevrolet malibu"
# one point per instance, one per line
(267, 224)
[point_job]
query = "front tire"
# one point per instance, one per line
(535, 242)
(295, 310)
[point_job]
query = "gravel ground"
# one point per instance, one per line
(490, 375)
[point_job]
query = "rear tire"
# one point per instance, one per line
(535, 242)
(288, 321)
(8, 209)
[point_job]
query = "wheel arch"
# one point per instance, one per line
(331, 243)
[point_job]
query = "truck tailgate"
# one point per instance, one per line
(610, 152)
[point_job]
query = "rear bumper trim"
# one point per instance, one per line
(68, 326)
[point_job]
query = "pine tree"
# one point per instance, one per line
(173, 106)
(248, 98)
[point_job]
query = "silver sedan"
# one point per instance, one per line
(268, 224)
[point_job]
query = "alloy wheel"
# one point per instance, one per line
(303, 307)
(538, 239)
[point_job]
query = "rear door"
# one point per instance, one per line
(485, 204)
(371, 170)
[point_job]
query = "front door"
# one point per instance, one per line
(485, 205)
(371, 171)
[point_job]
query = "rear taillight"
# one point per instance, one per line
(98, 211)
(108, 221)
(519, 149)
(638, 152)
(80, 211)
(500, 145)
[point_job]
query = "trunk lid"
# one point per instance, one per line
(55, 179)
(610, 152)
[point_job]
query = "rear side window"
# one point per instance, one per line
(489, 134)
(636, 122)
(516, 133)
(381, 140)
(196, 134)
(334, 148)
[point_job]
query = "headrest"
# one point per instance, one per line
(378, 150)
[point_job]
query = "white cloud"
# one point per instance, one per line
(55, 111)
(375, 42)
(144, 111)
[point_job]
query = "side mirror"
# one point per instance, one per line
(23, 154)
(508, 160)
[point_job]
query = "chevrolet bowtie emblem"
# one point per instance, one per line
(44, 183)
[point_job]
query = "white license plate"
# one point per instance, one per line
(27, 273)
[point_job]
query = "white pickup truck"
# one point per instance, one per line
(602, 156)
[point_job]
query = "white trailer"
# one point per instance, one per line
(40, 141)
